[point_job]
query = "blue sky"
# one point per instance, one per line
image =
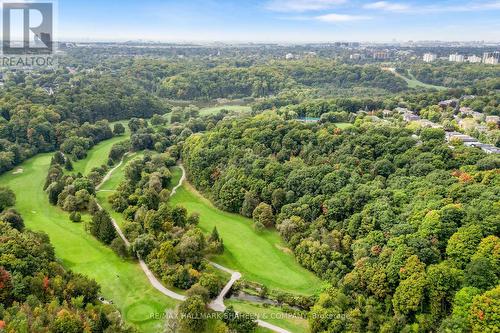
(279, 20)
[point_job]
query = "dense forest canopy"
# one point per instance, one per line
(44, 112)
(402, 229)
(268, 79)
(454, 75)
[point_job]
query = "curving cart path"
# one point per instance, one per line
(218, 303)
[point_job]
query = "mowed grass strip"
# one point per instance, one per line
(259, 256)
(97, 156)
(216, 109)
(343, 125)
(121, 281)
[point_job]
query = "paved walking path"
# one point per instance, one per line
(218, 303)
(110, 172)
(183, 177)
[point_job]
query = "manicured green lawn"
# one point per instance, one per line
(117, 176)
(259, 256)
(97, 156)
(107, 189)
(272, 314)
(121, 281)
(176, 176)
(343, 125)
(414, 83)
(215, 109)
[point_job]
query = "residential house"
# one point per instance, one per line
(487, 148)
(401, 110)
(493, 119)
(410, 117)
(387, 113)
(459, 136)
(428, 123)
(448, 103)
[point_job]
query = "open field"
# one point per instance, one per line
(215, 109)
(121, 281)
(259, 256)
(271, 314)
(343, 125)
(412, 81)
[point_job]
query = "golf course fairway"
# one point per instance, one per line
(98, 155)
(260, 256)
(121, 281)
(271, 314)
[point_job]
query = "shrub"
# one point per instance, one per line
(75, 217)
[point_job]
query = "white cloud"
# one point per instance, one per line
(301, 5)
(468, 7)
(384, 5)
(435, 8)
(340, 18)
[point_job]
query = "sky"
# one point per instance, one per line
(278, 20)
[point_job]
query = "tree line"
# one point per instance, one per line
(43, 112)
(226, 81)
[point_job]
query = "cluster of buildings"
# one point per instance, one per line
(291, 56)
(374, 54)
(467, 140)
(490, 58)
(410, 116)
(380, 55)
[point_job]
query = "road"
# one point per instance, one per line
(218, 303)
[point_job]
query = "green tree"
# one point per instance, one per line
(192, 314)
(211, 282)
(7, 198)
(410, 292)
(167, 253)
(102, 227)
(463, 243)
(118, 129)
(250, 201)
(443, 280)
(143, 245)
(239, 322)
(75, 216)
(12, 217)
(198, 290)
(263, 214)
(119, 247)
(67, 323)
(484, 311)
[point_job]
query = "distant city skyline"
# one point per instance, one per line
(294, 21)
